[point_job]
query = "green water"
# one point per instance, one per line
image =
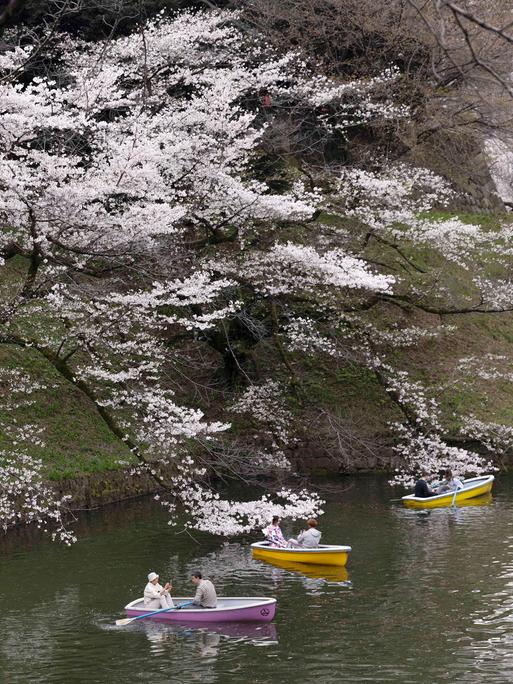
(428, 598)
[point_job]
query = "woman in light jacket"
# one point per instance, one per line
(155, 595)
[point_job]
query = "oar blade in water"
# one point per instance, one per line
(124, 621)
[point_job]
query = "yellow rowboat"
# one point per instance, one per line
(472, 488)
(330, 573)
(321, 555)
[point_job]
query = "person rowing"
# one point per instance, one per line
(422, 489)
(205, 596)
(155, 595)
(309, 538)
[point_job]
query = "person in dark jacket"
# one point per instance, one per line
(422, 489)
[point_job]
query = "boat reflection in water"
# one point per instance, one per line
(329, 573)
(210, 636)
(484, 500)
(199, 650)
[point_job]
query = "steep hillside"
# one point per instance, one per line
(339, 413)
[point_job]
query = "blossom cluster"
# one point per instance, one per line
(422, 444)
(25, 496)
(265, 404)
(303, 335)
(496, 438)
(295, 269)
(216, 515)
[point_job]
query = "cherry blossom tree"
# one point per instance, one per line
(117, 172)
(129, 196)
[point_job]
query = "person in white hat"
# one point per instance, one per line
(155, 595)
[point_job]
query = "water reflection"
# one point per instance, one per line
(328, 573)
(205, 646)
(159, 633)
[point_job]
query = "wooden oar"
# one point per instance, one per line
(127, 621)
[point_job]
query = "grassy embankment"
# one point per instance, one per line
(78, 441)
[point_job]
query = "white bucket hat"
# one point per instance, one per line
(152, 576)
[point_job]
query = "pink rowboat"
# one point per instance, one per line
(244, 609)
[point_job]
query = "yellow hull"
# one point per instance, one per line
(484, 500)
(462, 497)
(318, 558)
(330, 573)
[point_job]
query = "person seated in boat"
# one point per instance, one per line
(205, 596)
(274, 535)
(309, 538)
(450, 483)
(422, 489)
(155, 595)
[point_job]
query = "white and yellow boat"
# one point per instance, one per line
(323, 554)
(472, 488)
